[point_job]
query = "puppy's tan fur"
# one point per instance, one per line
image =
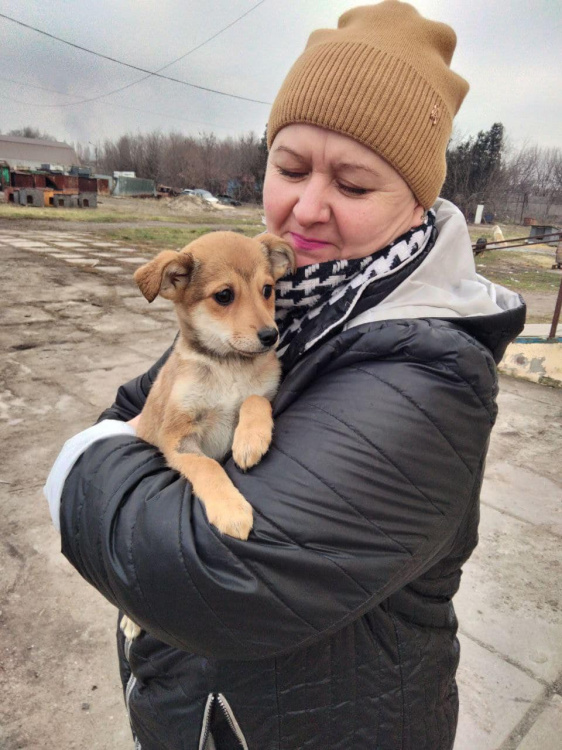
(214, 393)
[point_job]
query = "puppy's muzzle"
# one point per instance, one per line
(268, 336)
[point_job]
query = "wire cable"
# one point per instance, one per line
(120, 106)
(164, 67)
(129, 65)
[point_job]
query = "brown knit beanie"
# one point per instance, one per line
(383, 78)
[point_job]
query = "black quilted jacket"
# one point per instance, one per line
(332, 627)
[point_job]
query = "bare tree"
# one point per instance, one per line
(533, 175)
(547, 170)
(232, 164)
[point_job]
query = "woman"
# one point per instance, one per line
(332, 626)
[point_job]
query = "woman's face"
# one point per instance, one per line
(331, 197)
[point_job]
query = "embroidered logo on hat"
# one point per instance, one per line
(435, 115)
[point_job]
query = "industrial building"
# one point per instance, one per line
(35, 172)
(32, 153)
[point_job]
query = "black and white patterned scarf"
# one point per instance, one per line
(319, 298)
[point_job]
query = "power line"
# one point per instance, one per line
(159, 70)
(120, 106)
(128, 65)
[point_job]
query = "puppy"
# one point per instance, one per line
(214, 392)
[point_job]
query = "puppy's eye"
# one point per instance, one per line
(267, 290)
(224, 297)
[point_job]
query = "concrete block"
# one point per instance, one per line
(529, 428)
(114, 322)
(82, 356)
(510, 597)
(78, 261)
(112, 270)
(540, 362)
(14, 314)
(88, 200)
(140, 305)
(61, 200)
(525, 494)
(67, 245)
(28, 244)
(546, 732)
(153, 345)
(12, 195)
(494, 697)
(73, 310)
(31, 197)
(98, 387)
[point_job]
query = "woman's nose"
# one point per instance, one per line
(312, 205)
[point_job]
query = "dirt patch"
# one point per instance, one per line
(188, 205)
(540, 306)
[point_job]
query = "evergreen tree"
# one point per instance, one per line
(473, 167)
(31, 132)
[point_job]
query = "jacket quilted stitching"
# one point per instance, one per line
(332, 627)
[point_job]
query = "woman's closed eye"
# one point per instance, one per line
(291, 174)
(350, 190)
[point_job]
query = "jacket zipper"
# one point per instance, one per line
(206, 721)
(229, 713)
(230, 718)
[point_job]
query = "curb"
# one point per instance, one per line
(534, 358)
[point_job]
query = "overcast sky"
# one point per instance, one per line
(510, 52)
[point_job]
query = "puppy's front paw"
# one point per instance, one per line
(129, 628)
(248, 448)
(233, 516)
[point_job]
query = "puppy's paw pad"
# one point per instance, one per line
(129, 628)
(248, 450)
(235, 518)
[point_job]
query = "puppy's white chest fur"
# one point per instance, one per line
(212, 397)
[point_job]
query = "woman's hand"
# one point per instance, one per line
(135, 421)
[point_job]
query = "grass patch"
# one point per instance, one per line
(168, 237)
(112, 216)
(86, 215)
(519, 270)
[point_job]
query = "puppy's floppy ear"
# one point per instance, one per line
(167, 274)
(279, 253)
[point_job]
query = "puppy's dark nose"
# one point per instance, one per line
(268, 336)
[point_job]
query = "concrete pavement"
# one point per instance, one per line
(74, 327)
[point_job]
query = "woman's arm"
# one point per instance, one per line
(369, 476)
